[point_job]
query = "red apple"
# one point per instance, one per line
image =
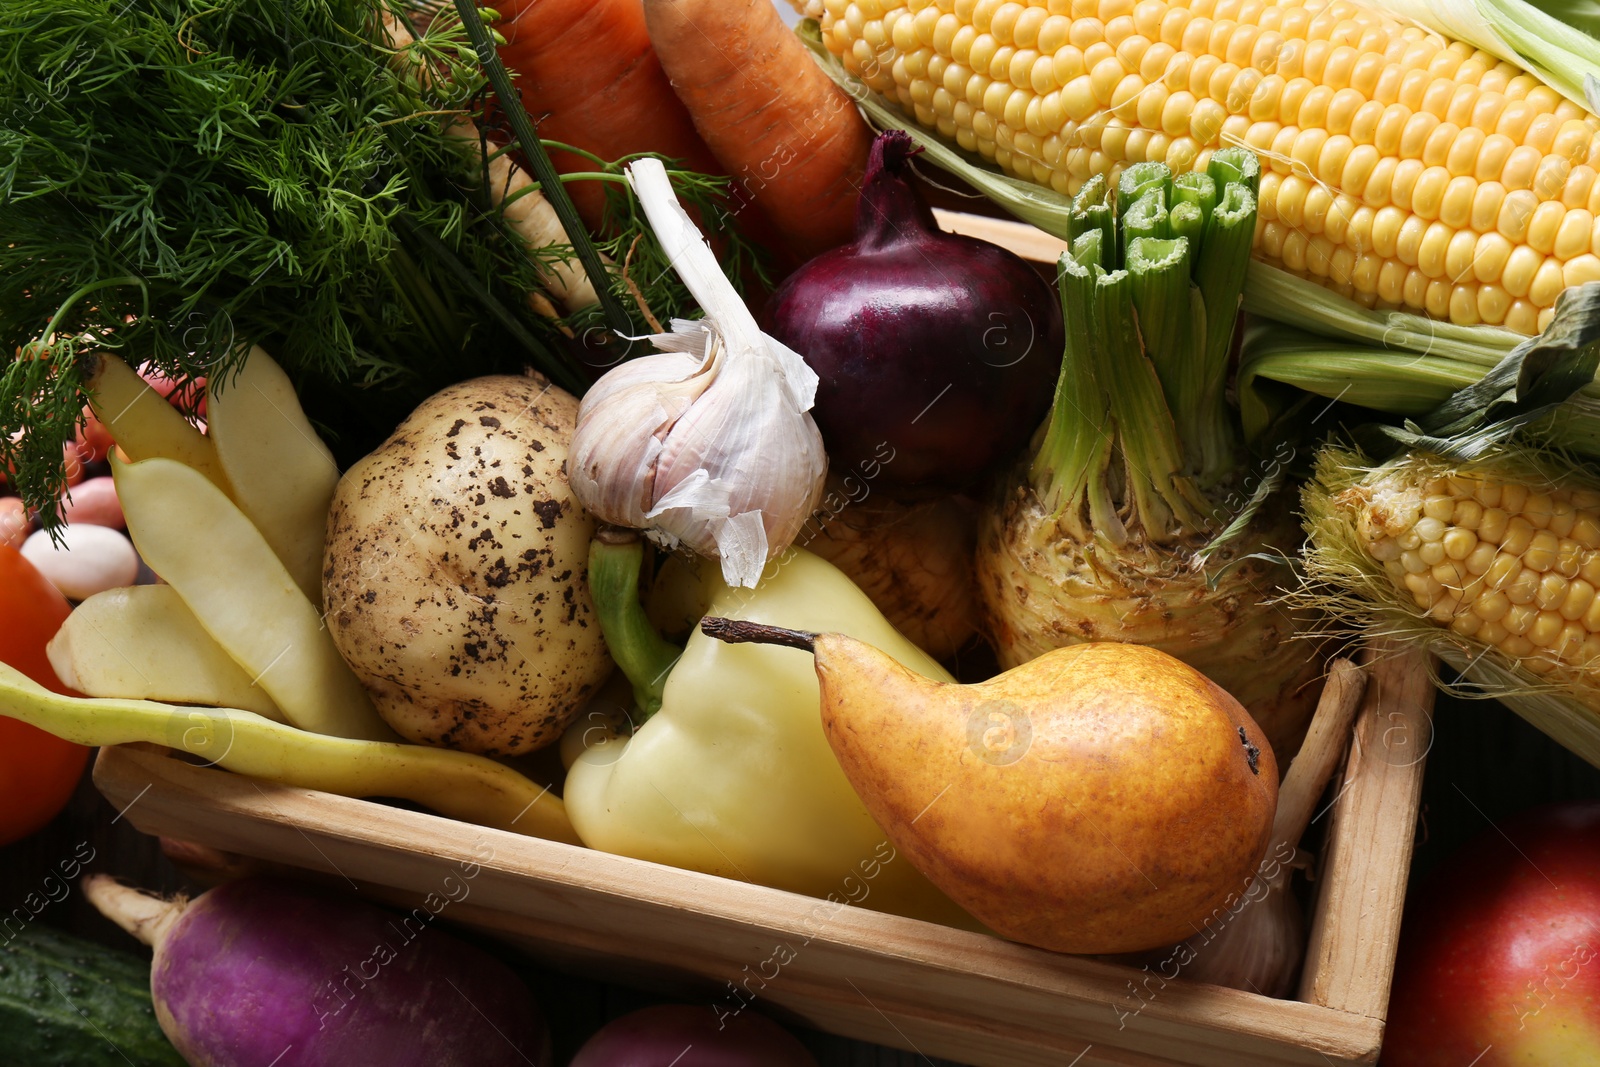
(1500, 950)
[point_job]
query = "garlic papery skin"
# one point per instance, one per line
(1259, 946)
(707, 443)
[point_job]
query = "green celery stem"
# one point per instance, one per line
(645, 657)
(1076, 442)
(1220, 270)
(1146, 218)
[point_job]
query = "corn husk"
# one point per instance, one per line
(1356, 598)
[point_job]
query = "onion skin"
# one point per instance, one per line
(259, 968)
(937, 350)
(691, 1035)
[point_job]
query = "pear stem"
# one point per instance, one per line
(738, 631)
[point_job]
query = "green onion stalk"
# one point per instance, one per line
(1136, 517)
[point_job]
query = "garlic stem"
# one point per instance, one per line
(697, 266)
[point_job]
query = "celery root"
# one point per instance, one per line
(1118, 527)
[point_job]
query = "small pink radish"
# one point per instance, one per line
(13, 521)
(93, 502)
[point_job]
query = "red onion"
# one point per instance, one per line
(939, 350)
(689, 1035)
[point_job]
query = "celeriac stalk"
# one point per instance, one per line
(1140, 462)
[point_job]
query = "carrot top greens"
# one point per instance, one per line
(180, 180)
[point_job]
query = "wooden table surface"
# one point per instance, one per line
(1486, 764)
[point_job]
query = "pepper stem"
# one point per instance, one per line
(739, 631)
(646, 658)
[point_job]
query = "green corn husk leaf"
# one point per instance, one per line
(1561, 55)
(1277, 294)
(1354, 597)
(1579, 14)
(1395, 382)
(1400, 371)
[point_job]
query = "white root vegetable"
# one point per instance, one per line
(528, 213)
(144, 425)
(457, 564)
(143, 643)
(206, 549)
(530, 216)
(281, 474)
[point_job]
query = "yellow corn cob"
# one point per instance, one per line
(1510, 565)
(1398, 168)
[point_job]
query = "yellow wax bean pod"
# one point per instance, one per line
(143, 642)
(143, 424)
(199, 541)
(455, 784)
(280, 473)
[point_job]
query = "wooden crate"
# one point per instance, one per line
(900, 982)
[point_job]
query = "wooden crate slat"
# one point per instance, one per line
(1362, 880)
(962, 995)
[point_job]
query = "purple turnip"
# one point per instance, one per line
(938, 354)
(261, 971)
(692, 1035)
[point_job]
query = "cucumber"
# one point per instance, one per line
(67, 1002)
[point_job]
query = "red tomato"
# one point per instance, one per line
(38, 771)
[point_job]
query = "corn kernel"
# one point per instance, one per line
(1541, 552)
(1516, 646)
(1519, 533)
(1491, 634)
(1537, 509)
(1552, 592)
(1439, 506)
(1586, 529)
(1480, 558)
(1523, 588)
(1458, 543)
(1546, 629)
(1520, 618)
(1491, 607)
(1579, 595)
(1569, 643)
(1424, 589)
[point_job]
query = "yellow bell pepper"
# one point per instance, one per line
(732, 775)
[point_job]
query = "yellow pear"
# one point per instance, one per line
(1101, 798)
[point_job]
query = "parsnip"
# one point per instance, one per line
(455, 784)
(282, 475)
(143, 424)
(143, 642)
(204, 546)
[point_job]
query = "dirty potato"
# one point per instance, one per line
(454, 575)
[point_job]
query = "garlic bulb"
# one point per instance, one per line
(708, 443)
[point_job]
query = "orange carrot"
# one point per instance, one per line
(775, 121)
(590, 79)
